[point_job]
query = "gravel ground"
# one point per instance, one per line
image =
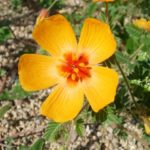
(23, 121)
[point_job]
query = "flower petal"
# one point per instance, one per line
(55, 35)
(97, 40)
(36, 72)
(63, 104)
(100, 89)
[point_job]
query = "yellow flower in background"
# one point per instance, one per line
(147, 124)
(103, 0)
(71, 68)
(142, 24)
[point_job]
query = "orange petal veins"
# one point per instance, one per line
(97, 40)
(100, 89)
(55, 35)
(63, 104)
(36, 72)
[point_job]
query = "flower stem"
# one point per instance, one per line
(71, 135)
(119, 66)
(126, 81)
(107, 12)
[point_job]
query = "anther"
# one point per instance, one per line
(76, 70)
(73, 76)
(81, 64)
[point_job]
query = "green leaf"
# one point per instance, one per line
(112, 117)
(4, 109)
(100, 116)
(5, 34)
(120, 133)
(16, 4)
(91, 9)
(22, 147)
(15, 93)
(103, 16)
(52, 130)
(147, 138)
(131, 45)
(80, 127)
(121, 57)
(2, 72)
(9, 142)
(133, 32)
(38, 145)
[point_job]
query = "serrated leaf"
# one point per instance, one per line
(133, 31)
(103, 16)
(52, 130)
(121, 58)
(80, 127)
(22, 147)
(131, 45)
(4, 109)
(38, 145)
(91, 9)
(112, 118)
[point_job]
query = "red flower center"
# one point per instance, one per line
(75, 68)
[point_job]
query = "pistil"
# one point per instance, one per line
(76, 68)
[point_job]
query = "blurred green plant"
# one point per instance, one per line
(2, 72)
(5, 34)
(16, 92)
(37, 145)
(4, 109)
(52, 131)
(80, 127)
(16, 4)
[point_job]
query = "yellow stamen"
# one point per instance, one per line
(76, 70)
(81, 64)
(73, 76)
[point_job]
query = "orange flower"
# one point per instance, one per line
(103, 0)
(71, 68)
(142, 24)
